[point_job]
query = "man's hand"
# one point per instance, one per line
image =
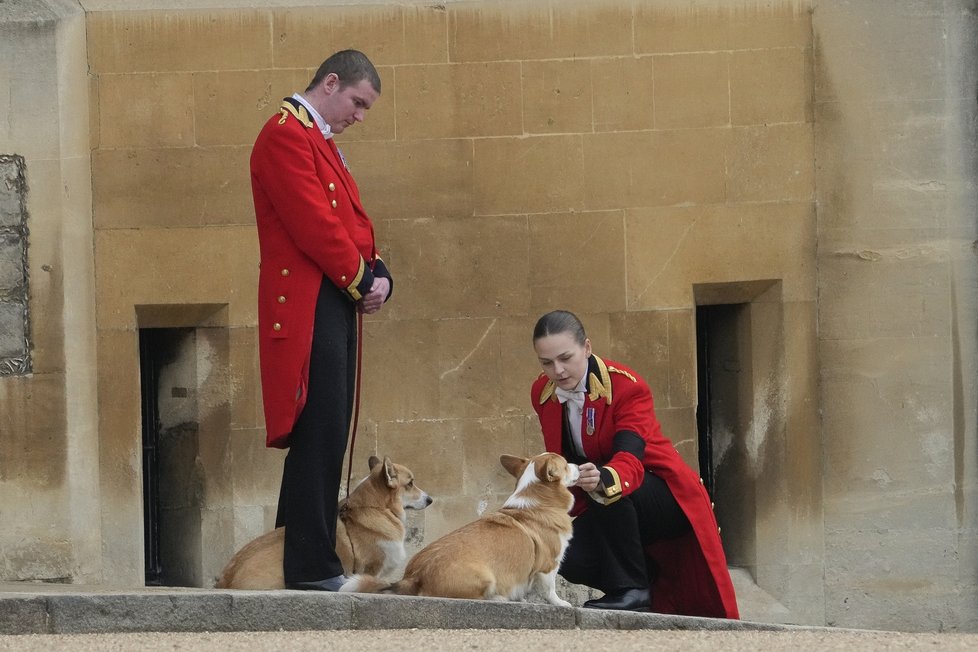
(374, 300)
(590, 477)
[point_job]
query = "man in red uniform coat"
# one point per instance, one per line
(319, 266)
(644, 531)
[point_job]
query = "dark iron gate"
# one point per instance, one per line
(149, 364)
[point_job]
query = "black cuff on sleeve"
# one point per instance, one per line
(380, 269)
(363, 287)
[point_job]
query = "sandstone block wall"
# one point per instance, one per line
(604, 158)
(782, 167)
(895, 127)
(48, 417)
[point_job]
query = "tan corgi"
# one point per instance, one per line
(369, 533)
(506, 555)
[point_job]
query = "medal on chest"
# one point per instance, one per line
(590, 420)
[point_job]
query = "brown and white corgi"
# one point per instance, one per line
(370, 533)
(508, 554)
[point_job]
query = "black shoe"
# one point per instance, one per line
(624, 600)
(328, 584)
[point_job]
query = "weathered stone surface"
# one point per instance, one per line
(24, 615)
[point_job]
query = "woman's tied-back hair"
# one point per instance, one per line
(560, 321)
(351, 66)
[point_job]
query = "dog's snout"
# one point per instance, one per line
(428, 500)
(573, 473)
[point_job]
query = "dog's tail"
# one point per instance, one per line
(370, 584)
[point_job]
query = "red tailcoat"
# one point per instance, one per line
(311, 224)
(692, 576)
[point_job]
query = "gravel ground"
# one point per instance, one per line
(503, 640)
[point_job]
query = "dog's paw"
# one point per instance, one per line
(352, 585)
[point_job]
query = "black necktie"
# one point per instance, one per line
(569, 449)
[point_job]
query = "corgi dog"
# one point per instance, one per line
(508, 554)
(370, 532)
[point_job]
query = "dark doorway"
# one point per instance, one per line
(724, 414)
(720, 374)
(159, 348)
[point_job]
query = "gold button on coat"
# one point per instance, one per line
(285, 272)
(333, 203)
(332, 186)
(276, 326)
(281, 299)
(343, 278)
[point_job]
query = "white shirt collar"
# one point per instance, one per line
(323, 127)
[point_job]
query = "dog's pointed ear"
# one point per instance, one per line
(390, 473)
(554, 470)
(514, 465)
(372, 462)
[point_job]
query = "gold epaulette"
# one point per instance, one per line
(300, 113)
(624, 373)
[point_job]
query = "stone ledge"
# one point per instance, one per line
(61, 611)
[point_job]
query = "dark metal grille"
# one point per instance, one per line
(15, 332)
(149, 378)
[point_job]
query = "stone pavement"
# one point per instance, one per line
(45, 617)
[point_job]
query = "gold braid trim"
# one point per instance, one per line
(600, 387)
(352, 287)
(300, 114)
(616, 370)
(610, 494)
(548, 391)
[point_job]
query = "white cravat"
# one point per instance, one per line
(576, 398)
(575, 408)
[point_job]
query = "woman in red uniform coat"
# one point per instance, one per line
(319, 266)
(644, 532)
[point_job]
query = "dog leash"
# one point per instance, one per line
(356, 400)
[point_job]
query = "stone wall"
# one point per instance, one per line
(896, 134)
(50, 507)
(643, 164)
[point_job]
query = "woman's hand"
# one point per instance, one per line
(590, 477)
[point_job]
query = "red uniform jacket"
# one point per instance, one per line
(692, 576)
(310, 225)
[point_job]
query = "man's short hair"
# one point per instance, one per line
(351, 66)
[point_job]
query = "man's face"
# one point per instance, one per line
(342, 108)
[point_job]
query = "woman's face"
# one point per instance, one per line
(563, 359)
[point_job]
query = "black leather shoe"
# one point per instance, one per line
(624, 600)
(328, 584)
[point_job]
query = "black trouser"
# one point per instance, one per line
(307, 503)
(607, 549)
